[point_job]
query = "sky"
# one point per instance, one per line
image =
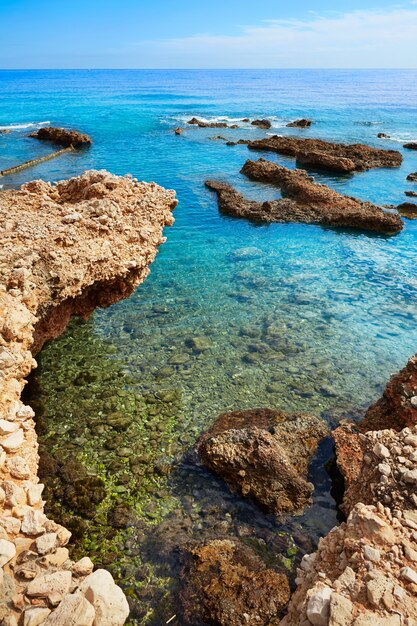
(212, 34)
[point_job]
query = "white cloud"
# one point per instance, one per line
(362, 38)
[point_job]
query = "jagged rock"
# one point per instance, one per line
(83, 567)
(304, 201)
(196, 122)
(47, 584)
(62, 136)
(318, 607)
(408, 209)
(179, 131)
(303, 123)
(7, 551)
(74, 610)
(412, 145)
(264, 454)
(35, 616)
(262, 123)
(364, 157)
(412, 177)
(226, 584)
(108, 600)
(411, 194)
(321, 160)
(383, 136)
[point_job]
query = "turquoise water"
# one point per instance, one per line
(288, 316)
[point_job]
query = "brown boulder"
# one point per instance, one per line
(412, 145)
(196, 122)
(364, 157)
(321, 160)
(383, 136)
(264, 454)
(179, 131)
(411, 194)
(62, 136)
(262, 123)
(412, 177)
(304, 201)
(303, 123)
(408, 209)
(397, 408)
(226, 584)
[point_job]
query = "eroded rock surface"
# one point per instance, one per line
(261, 123)
(412, 177)
(264, 454)
(317, 151)
(408, 209)
(305, 201)
(303, 123)
(62, 136)
(226, 584)
(201, 124)
(65, 249)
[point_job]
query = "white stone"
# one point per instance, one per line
(7, 551)
(35, 616)
(18, 467)
(107, 598)
(318, 607)
(371, 554)
(411, 440)
(13, 441)
(384, 469)
(25, 412)
(34, 493)
(409, 575)
(410, 477)
(7, 428)
(33, 522)
(413, 401)
(14, 494)
(83, 567)
(46, 543)
(74, 610)
(42, 586)
(381, 451)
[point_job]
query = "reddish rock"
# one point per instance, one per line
(226, 584)
(262, 123)
(364, 157)
(304, 201)
(62, 136)
(303, 123)
(411, 194)
(408, 209)
(321, 160)
(264, 454)
(397, 408)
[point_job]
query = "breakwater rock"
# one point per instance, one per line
(303, 123)
(65, 249)
(365, 571)
(305, 201)
(62, 136)
(338, 157)
(264, 454)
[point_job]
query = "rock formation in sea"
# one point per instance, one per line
(365, 571)
(304, 201)
(303, 123)
(412, 177)
(383, 136)
(411, 194)
(262, 124)
(179, 131)
(412, 145)
(337, 157)
(264, 454)
(65, 249)
(408, 209)
(196, 122)
(62, 136)
(227, 584)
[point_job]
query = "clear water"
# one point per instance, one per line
(290, 316)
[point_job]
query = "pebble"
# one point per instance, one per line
(371, 554)
(381, 451)
(384, 469)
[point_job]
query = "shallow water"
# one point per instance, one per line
(233, 315)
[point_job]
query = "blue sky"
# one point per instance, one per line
(190, 34)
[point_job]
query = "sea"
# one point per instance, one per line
(234, 315)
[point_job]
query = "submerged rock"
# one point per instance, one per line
(62, 136)
(304, 201)
(408, 209)
(362, 156)
(411, 194)
(412, 145)
(303, 123)
(412, 177)
(227, 584)
(264, 454)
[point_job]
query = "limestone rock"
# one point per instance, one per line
(43, 586)
(74, 610)
(7, 551)
(108, 600)
(318, 608)
(36, 616)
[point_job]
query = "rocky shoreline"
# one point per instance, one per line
(66, 249)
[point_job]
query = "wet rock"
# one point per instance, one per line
(179, 131)
(262, 123)
(411, 194)
(62, 136)
(226, 584)
(119, 421)
(196, 122)
(412, 177)
(199, 344)
(304, 201)
(264, 454)
(303, 123)
(408, 209)
(108, 600)
(364, 157)
(218, 138)
(383, 136)
(412, 145)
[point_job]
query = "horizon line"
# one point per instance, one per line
(197, 69)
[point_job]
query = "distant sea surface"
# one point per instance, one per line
(290, 316)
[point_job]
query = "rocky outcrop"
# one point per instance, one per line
(65, 249)
(62, 136)
(262, 123)
(264, 454)
(196, 122)
(365, 571)
(411, 194)
(305, 201)
(383, 136)
(303, 123)
(408, 209)
(317, 151)
(412, 177)
(227, 584)
(412, 145)
(179, 131)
